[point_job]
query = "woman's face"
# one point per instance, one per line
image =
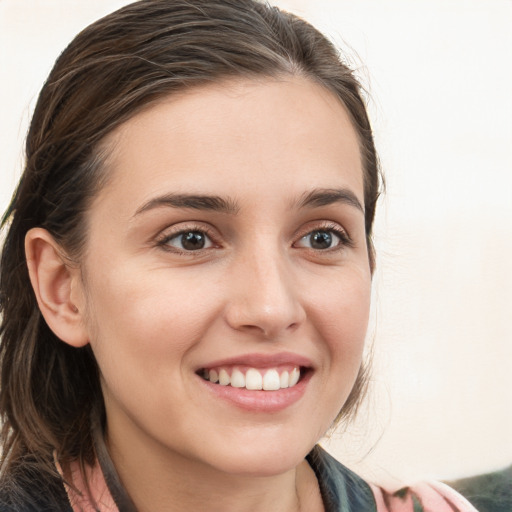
(229, 244)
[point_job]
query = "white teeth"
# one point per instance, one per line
(223, 377)
(237, 379)
(284, 380)
(294, 377)
(271, 381)
(253, 379)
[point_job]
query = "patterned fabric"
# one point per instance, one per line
(422, 497)
(341, 489)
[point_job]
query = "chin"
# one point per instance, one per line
(263, 457)
(266, 466)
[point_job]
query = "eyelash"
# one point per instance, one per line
(341, 234)
(163, 242)
(344, 239)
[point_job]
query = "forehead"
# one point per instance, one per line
(234, 137)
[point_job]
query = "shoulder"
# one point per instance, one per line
(30, 496)
(343, 490)
(491, 492)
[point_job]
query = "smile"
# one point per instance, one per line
(267, 379)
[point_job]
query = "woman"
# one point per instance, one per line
(186, 273)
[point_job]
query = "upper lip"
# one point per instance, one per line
(259, 360)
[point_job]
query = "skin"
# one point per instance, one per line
(155, 313)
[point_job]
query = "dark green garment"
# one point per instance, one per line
(342, 490)
(488, 493)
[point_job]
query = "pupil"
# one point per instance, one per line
(193, 240)
(321, 240)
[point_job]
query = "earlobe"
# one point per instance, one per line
(55, 285)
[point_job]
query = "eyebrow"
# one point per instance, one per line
(191, 201)
(327, 196)
(313, 199)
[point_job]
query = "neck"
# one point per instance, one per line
(158, 481)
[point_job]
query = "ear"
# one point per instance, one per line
(57, 286)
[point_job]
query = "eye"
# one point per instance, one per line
(323, 239)
(191, 240)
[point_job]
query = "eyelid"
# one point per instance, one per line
(334, 227)
(168, 234)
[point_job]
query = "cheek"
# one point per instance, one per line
(145, 329)
(142, 319)
(341, 316)
(344, 305)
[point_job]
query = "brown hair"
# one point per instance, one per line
(110, 71)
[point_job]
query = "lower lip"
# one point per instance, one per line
(259, 401)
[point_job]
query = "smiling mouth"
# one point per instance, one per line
(267, 379)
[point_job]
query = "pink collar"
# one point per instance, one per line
(97, 498)
(93, 498)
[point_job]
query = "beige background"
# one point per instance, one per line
(440, 78)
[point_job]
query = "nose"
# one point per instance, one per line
(264, 298)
